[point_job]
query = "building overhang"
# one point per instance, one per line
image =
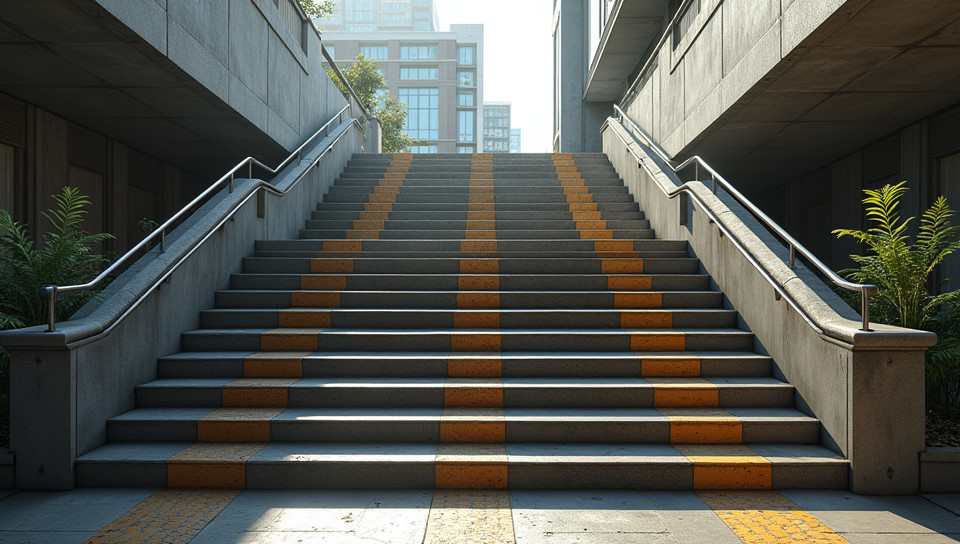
(632, 30)
(78, 61)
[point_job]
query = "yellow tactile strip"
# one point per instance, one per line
(379, 203)
(471, 466)
(215, 466)
(766, 516)
(173, 516)
(274, 365)
(703, 426)
(470, 517)
(727, 467)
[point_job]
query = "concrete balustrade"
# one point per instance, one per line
(866, 388)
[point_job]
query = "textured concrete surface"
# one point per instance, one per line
(465, 516)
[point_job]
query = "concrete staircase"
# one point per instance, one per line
(468, 321)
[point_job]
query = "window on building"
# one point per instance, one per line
(466, 126)
(394, 6)
(466, 78)
(466, 149)
(685, 21)
(423, 149)
(374, 52)
(419, 52)
(466, 99)
(420, 73)
(465, 55)
(359, 11)
(360, 28)
(423, 112)
(395, 19)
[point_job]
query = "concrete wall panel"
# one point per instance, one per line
(745, 22)
(703, 64)
(208, 22)
(145, 17)
(249, 47)
(198, 61)
(284, 83)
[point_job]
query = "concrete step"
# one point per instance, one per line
(430, 465)
(477, 339)
(503, 267)
(546, 364)
(541, 248)
(473, 425)
(459, 226)
(496, 198)
(279, 299)
(472, 282)
(553, 392)
(447, 318)
(559, 215)
(374, 234)
(526, 207)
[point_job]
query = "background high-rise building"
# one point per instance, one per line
(515, 140)
(382, 15)
(438, 75)
(496, 127)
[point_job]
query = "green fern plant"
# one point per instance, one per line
(64, 256)
(899, 269)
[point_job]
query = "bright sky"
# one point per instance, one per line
(517, 60)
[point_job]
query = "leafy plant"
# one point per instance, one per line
(64, 256)
(317, 9)
(147, 225)
(901, 271)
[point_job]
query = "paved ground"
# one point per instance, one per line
(463, 517)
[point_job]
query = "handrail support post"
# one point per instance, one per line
(793, 255)
(865, 309)
(249, 169)
(163, 240)
(51, 293)
(231, 181)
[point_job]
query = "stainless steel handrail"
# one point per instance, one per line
(795, 247)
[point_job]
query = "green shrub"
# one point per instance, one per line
(64, 256)
(901, 271)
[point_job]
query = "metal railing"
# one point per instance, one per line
(52, 291)
(795, 247)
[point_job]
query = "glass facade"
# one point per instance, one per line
(466, 126)
(374, 52)
(423, 149)
(423, 112)
(466, 55)
(466, 78)
(419, 52)
(496, 128)
(420, 73)
(466, 99)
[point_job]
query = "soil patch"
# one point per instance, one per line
(942, 431)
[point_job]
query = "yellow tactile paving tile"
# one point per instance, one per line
(302, 318)
(274, 365)
(236, 425)
(703, 426)
(575, 189)
(481, 216)
(727, 467)
(172, 516)
(373, 216)
(323, 283)
(378, 207)
(315, 299)
(480, 425)
(360, 224)
(480, 206)
(459, 367)
(375, 198)
(480, 234)
(658, 342)
(214, 466)
(476, 320)
(478, 283)
(621, 266)
(579, 199)
(699, 393)
(259, 393)
(766, 516)
(646, 320)
(606, 246)
(638, 300)
(289, 340)
(475, 342)
(343, 245)
(483, 198)
(629, 283)
(481, 225)
(362, 234)
(473, 392)
(331, 266)
(487, 246)
(593, 216)
(478, 300)
(386, 190)
(669, 368)
(479, 266)
(596, 235)
(471, 466)
(582, 206)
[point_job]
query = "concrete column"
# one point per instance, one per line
(42, 385)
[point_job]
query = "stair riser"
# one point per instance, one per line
(506, 267)
(497, 199)
(451, 282)
(462, 225)
(461, 216)
(427, 365)
(306, 474)
(528, 207)
(505, 300)
(536, 247)
(494, 341)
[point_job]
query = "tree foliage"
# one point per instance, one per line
(366, 79)
(64, 256)
(317, 9)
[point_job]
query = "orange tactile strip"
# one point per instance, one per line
(728, 467)
(765, 516)
(665, 341)
(274, 365)
(472, 425)
(473, 393)
(380, 202)
(473, 367)
(670, 368)
(236, 425)
(703, 426)
(258, 393)
(169, 515)
(216, 466)
(472, 467)
(646, 320)
(687, 393)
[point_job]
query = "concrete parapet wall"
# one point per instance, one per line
(867, 388)
(66, 384)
